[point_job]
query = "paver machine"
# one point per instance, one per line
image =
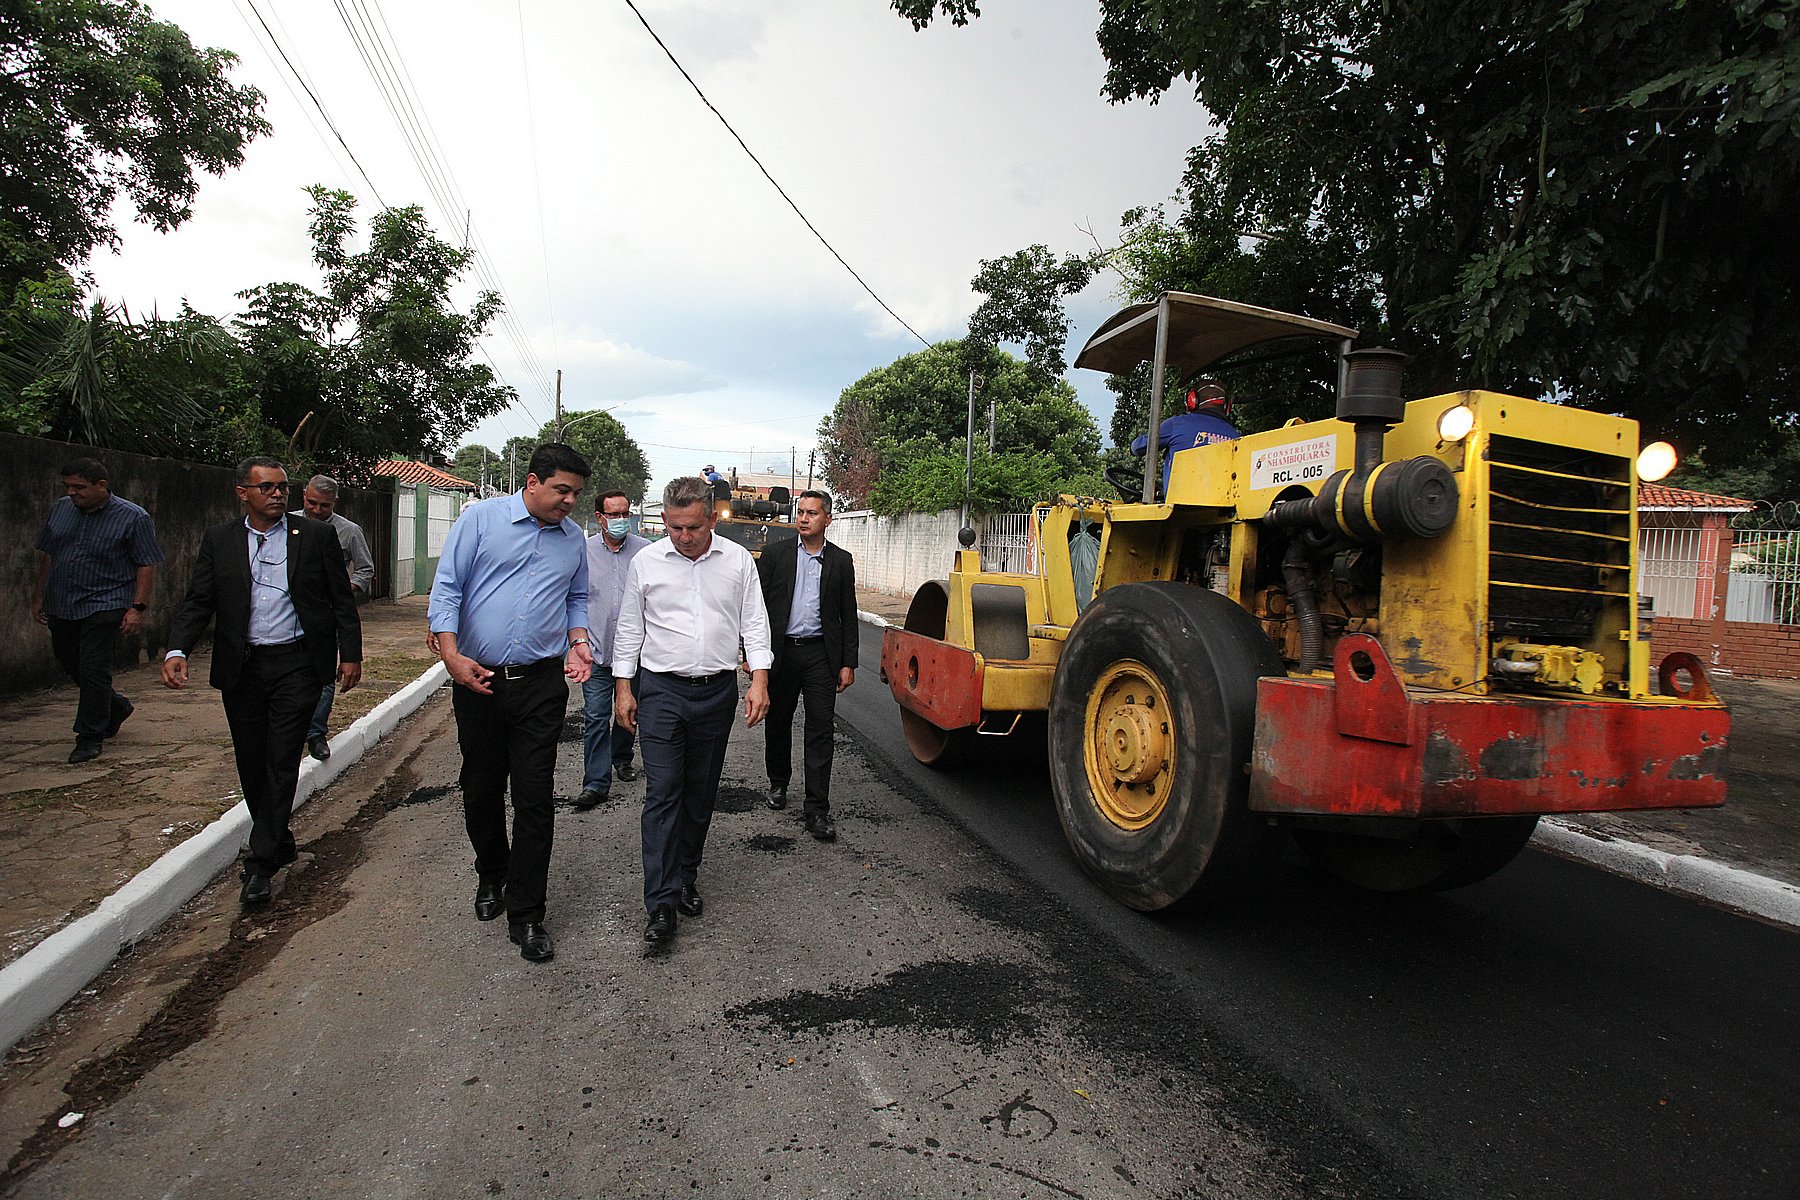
(1398, 636)
(753, 521)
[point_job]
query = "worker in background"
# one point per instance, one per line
(1204, 419)
(710, 475)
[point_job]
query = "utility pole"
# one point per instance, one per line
(484, 472)
(559, 420)
(809, 468)
(969, 453)
(793, 472)
(990, 425)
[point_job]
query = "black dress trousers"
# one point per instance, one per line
(510, 737)
(805, 672)
(268, 711)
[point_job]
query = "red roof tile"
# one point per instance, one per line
(407, 471)
(1657, 495)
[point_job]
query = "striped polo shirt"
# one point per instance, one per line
(94, 557)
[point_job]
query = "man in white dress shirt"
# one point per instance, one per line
(690, 599)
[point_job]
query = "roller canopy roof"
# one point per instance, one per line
(1202, 330)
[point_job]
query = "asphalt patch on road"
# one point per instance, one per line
(1142, 1018)
(574, 729)
(311, 891)
(735, 798)
(426, 795)
(986, 1002)
(770, 843)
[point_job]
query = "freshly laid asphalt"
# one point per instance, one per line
(93, 856)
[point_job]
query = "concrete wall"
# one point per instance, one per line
(183, 498)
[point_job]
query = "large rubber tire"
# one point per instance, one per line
(1152, 716)
(1438, 856)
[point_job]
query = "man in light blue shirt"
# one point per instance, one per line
(606, 747)
(509, 600)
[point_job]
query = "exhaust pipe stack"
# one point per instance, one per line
(1375, 499)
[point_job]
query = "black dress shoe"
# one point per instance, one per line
(319, 748)
(626, 771)
(85, 750)
(487, 902)
(820, 826)
(589, 798)
(778, 796)
(119, 717)
(661, 926)
(256, 890)
(691, 904)
(533, 941)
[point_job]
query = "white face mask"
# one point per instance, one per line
(618, 527)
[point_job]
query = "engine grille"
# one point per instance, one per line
(1559, 542)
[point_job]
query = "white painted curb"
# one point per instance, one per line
(1687, 874)
(869, 618)
(39, 982)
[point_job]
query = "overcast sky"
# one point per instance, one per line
(640, 250)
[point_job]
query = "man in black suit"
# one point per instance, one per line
(809, 588)
(285, 622)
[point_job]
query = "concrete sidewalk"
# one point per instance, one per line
(72, 836)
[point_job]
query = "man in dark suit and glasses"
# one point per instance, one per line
(809, 586)
(274, 587)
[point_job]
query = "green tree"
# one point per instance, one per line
(997, 482)
(1023, 303)
(917, 406)
(101, 101)
(1561, 195)
(616, 458)
(475, 463)
(379, 362)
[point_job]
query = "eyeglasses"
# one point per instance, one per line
(267, 489)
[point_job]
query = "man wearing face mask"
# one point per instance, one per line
(606, 748)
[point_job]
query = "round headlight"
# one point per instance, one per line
(1454, 423)
(1655, 461)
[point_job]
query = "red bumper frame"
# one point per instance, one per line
(1362, 745)
(932, 678)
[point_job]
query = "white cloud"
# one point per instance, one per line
(640, 249)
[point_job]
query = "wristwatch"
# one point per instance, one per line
(139, 607)
(574, 642)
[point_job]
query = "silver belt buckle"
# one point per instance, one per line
(512, 671)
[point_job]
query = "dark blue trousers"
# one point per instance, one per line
(683, 728)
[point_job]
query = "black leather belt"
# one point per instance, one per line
(696, 680)
(805, 641)
(278, 647)
(516, 671)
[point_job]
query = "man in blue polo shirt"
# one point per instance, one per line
(97, 557)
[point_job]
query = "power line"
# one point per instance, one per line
(329, 124)
(765, 171)
(537, 177)
(393, 81)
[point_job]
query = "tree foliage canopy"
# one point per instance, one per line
(617, 460)
(382, 359)
(917, 406)
(1592, 199)
(102, 100)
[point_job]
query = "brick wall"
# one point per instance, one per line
(1751, 649)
